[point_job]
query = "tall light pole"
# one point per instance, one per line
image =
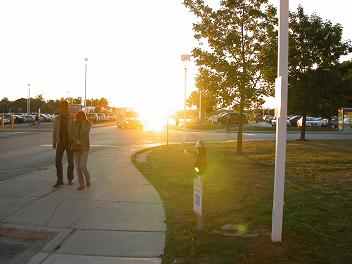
(185, 58)
(281, 127)
(85, 84)
(200, 105)
(29, 99)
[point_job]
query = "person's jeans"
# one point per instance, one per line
(81, 159)
(60, 149)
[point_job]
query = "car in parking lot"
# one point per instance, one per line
(232, 118)
(28, 118)
(310, 122)
(330, 122)
(93, 116)
(273, 122)
(129, 119)
(18, 119)
(268, 118)
(6, 119)
(45, 118)
(294, 119)
(213, 119)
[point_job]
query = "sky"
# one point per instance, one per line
(133, 48)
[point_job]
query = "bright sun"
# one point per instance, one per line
(153, 119)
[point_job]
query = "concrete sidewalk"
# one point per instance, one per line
(120, 219)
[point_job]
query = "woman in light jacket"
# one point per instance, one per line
(80, 148)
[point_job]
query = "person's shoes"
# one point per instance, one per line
(88, 184)
(79, 188)
(57, 184)
(70, 182)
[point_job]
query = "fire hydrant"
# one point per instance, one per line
(201, 158)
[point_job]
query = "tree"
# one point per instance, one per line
(323, 90)
(315, 47)
(77, 100)
(103, 102)
(205, 85)
(5, 105)
(37, 103)
(236, 36)
(19, 105)
(345, 71)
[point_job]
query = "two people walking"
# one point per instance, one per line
(71, 135)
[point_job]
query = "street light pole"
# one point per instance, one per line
(200, 105)
(29, 99)
(281, 128)
(85, 84)
(184, 106)
(185, 58)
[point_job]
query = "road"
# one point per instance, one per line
(27, 150)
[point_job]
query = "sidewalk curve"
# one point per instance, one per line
(120, 219)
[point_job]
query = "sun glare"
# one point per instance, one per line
(153, 119)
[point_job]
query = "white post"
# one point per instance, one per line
(200, 105)
(185, 58)
(184, 106)
(29, 99)
(85, 85)
(281, 128)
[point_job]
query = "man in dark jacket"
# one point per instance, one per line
(62, 140)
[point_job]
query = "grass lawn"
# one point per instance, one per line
(238, 189)
(206, 125)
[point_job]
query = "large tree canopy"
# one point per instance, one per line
(235, 40)
(315, 47)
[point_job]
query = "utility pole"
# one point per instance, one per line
(29, 99)
(184, 106)
(85, 84)
(281, 127)
(200, 105)
(185, 58)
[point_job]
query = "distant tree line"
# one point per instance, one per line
(48, 106)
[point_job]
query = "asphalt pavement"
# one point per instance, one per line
(27, 149)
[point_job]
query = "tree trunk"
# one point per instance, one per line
(303, 128)
(240, 130)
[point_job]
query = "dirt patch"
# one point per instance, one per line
(24, 234)
(18, 246)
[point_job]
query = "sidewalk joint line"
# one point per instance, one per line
(122, 256)
(88, 213)
(52, 215)
(123, 201)
(121, 230)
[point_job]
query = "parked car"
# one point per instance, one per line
(310, 122)
(18, 119)
(233, 118)
(330, 123)
(268, 118)
(347, 121)
(294, 120)
(45, 118)
(214, 119)
(93, 116)
(129, 119)
(102, 116)
(28, 118)
(6, 119)
(273, 122)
